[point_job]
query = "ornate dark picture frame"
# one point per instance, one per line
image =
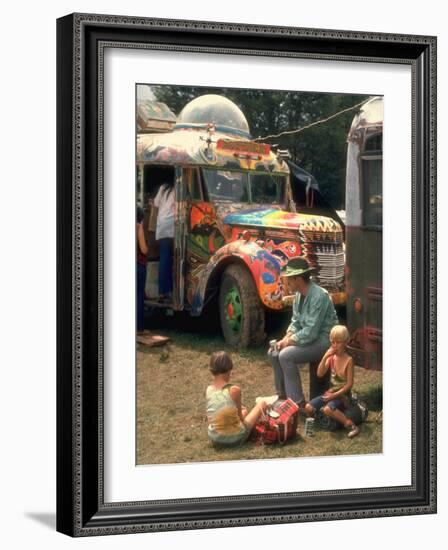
(81, 39)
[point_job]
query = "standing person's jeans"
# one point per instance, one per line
(141, 280)
(165, 266)
(286, 367)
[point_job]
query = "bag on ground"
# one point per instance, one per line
(277, 424)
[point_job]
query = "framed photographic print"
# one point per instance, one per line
(246, 275)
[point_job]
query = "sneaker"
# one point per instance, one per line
(270, 399)
(353, 431)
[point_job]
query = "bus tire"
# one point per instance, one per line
(241, 313)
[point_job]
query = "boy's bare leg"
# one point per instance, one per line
(309, 409)
(254, 415)
(337, 415)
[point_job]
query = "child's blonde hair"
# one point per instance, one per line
(340, 333)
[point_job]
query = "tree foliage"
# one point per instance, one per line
(321, 150)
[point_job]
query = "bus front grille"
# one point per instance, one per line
(325, 252)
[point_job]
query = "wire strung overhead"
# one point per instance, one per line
(289, 132)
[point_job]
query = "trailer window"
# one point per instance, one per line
(374, 143)
(372, 170)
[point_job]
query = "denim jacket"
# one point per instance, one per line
(313, 317)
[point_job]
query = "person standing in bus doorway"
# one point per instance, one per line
(164, 202)
(142, 260)
(308, 335)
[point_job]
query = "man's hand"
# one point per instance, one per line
(283, 343)
(286, 341)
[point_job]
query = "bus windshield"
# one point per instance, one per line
(245, 187)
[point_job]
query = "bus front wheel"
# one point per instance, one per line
(241, 312)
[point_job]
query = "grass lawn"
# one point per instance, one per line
(171, 423)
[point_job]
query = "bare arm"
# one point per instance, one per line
(324, 363)
(141, 239)
(152, 219)
(235, 394)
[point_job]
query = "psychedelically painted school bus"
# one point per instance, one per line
(364, 234)
(236, 223)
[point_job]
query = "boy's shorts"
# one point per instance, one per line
(232, 440)
(319, 402)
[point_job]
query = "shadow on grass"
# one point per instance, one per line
(202, 342)
(204, 333)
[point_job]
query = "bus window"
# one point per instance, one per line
(196, 192)
(266, 189)
(226, 186)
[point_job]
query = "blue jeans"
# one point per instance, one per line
(166, 266)
(319, 402)
(141, 280)
(286, 367)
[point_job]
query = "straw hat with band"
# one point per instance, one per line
(297, 267)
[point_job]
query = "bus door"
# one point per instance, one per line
(180, 227)
(371, 168)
